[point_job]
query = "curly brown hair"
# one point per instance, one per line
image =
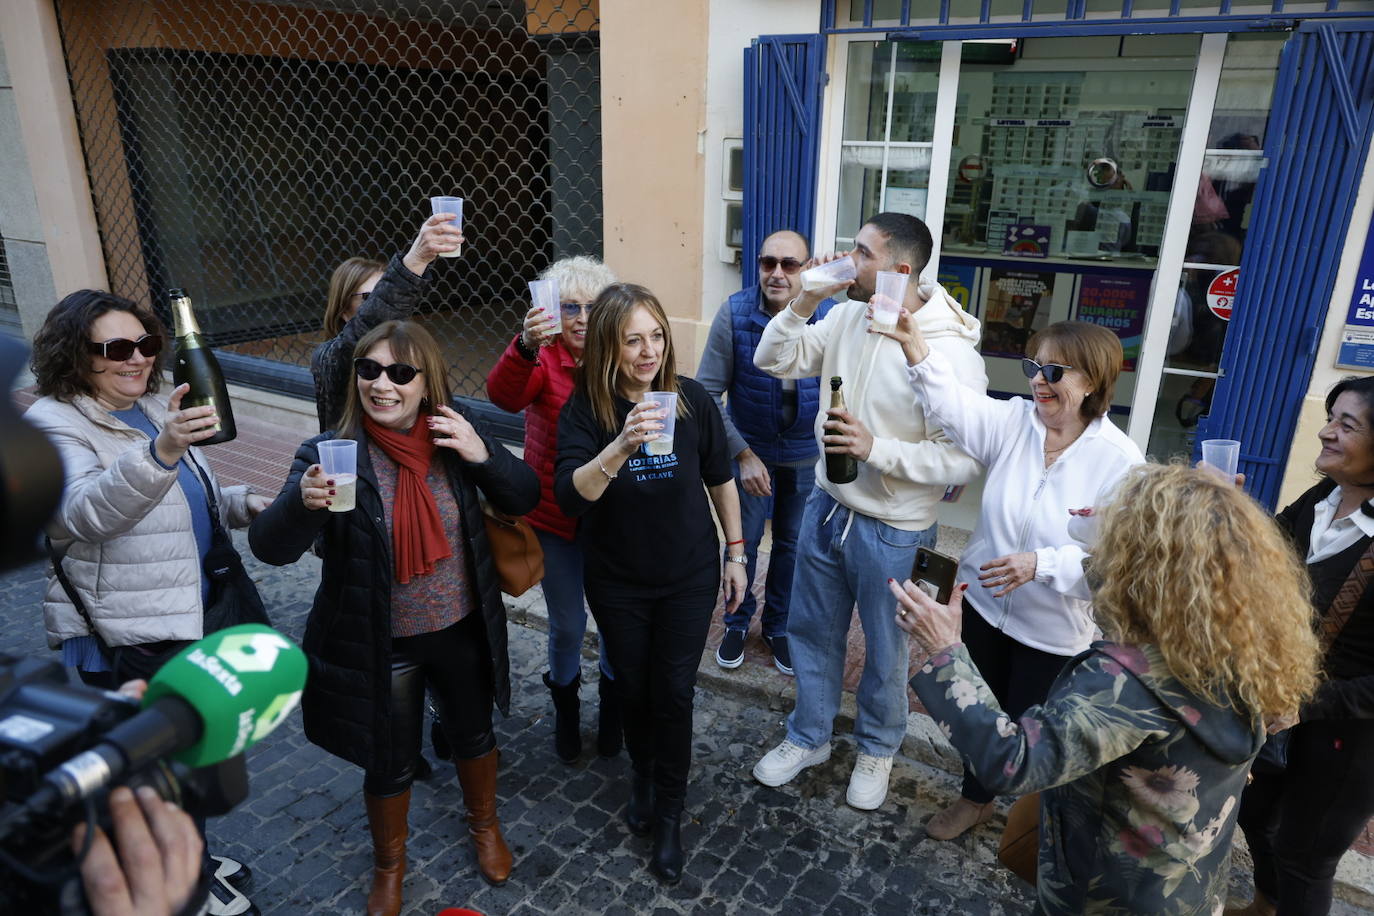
(61, 361)
(1192, 565)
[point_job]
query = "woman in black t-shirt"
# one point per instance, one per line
(645, 528)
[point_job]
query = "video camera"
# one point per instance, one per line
(63, 746)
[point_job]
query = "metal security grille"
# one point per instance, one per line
(7, 301)
(243, 150)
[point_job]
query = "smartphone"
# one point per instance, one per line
(934, 573)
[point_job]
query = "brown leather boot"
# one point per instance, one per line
(478, 779)
(387, 819)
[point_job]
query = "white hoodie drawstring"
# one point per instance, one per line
(847, 525)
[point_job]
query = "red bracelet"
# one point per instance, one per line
(733, 543)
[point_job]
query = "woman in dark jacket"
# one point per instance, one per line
(408, 597)
(1300, 818)
(363, 294)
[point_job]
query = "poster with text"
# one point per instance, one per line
(958, 279)
(1117, 303)
(1018, 305)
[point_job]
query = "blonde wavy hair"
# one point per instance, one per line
(599, 375)
(1195, 567)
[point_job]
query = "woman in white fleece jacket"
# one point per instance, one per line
(1045, 458)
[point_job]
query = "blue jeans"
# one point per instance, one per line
(791, 487)
(567, 612)
(844, 558)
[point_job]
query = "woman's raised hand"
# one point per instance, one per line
(183, 428)
(539, 330)
(316, 488)
(641, 425)
(906, 332)
(451, 429)
(437, 235)
(935, 626)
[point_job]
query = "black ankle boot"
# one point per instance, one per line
(639, 814)
(567, 726)
(666, 861)
(609, 736)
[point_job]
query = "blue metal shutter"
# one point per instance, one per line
(783, 79)
(1319, 134)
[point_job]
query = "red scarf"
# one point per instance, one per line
(417, 531)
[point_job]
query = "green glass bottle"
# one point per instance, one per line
(839, 468)
(194, 363)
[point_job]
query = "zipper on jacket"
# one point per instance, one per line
(1021, 538)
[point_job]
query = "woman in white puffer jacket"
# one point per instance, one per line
(134, 523)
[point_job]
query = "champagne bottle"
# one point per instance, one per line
(195, 364)
(839, 468)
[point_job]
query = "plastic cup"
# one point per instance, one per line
(544, 295)
(889, 292)
(667, 406)
(339, 460)
(449, 205)
(1221, 457)
(829, 273)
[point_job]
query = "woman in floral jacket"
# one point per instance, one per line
(1143, 746)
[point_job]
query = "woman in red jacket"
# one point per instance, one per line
(535, 374)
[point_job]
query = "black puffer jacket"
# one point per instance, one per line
(348, 633)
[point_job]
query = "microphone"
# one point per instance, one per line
(209, 702)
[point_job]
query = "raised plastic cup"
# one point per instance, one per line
(339, 460)
(889, 292)
(448, 205)
(667, 406)
(1221, 457)
(544, 295)
(829, 273)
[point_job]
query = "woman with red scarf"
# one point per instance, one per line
(408, 597)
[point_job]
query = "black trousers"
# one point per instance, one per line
(455, 665)
(1299, 821)
(1019, 677)
(654, 639)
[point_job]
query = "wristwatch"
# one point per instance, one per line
(741, 559)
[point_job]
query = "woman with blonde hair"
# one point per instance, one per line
(1143, 746)
(408, 597)
(535, 374)
(652, 557)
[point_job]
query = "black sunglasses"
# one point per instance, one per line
(369, 369)
(573, 309)
(120, 349)
(768, 264)
(1053, 372)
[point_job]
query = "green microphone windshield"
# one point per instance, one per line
(243, 681)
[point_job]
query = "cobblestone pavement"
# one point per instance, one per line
(793, 850)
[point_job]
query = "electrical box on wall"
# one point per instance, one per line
(732, 200)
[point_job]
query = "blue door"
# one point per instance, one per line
(1319, 135)
(783, 79)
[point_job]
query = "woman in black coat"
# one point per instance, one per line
(1304, 808)
(408, 598)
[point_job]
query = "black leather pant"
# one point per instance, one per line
(455, 665)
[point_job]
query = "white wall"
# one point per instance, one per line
(732, 26)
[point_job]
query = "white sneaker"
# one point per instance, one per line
(785, 761)
(868, 782)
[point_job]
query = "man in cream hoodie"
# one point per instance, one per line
(855, 536)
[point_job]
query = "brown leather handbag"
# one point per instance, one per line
(1020, 849)
(515, 551)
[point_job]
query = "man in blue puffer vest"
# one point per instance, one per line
(769, 425)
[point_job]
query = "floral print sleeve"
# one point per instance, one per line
(1140, 777)
(1084, 724)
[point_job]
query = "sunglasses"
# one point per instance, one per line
(122, 348)
(369, 369)
(1052, 372)
(573, 309)
(768, 264)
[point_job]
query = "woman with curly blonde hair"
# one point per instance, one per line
(1143, 746)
